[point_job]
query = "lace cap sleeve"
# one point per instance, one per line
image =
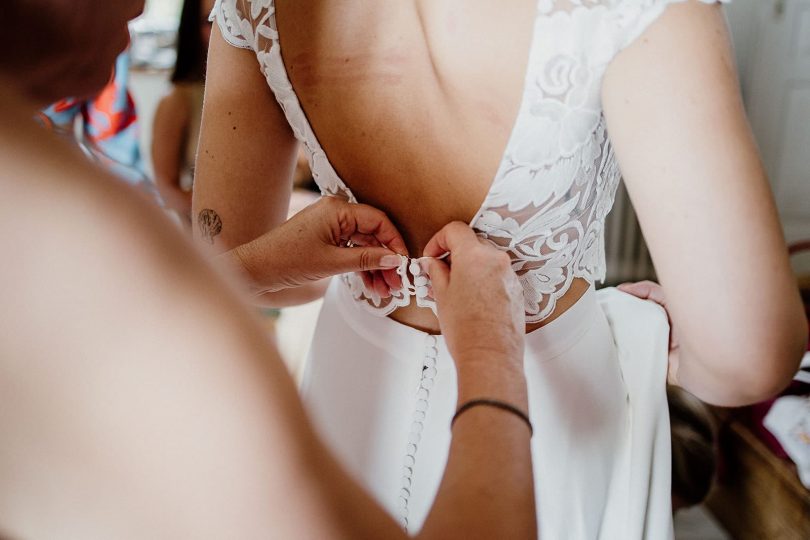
(233, 23)
(633, 17)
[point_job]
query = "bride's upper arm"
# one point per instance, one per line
(692, 168)
(246, 154)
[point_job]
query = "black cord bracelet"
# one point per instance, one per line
(486, 402)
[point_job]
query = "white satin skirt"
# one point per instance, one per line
(382, 395)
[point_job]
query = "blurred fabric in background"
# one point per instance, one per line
(106, 128)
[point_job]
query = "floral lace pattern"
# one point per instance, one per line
(558, 176)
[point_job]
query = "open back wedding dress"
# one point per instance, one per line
(382, 394)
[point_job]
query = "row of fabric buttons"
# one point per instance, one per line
(417, 425)
(420, 280)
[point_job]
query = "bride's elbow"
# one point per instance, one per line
(790, 351)
(764, 364)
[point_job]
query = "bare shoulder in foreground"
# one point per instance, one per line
(127, 361)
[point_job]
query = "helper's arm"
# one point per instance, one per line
(693, 171)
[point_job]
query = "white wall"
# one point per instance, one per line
(769, 48)
(741, 16)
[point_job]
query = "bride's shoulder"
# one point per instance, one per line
(603, 28)
(631, 18)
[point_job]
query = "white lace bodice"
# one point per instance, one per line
(556, 181)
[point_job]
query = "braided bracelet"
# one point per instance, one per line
(486, 402)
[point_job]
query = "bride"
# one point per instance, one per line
(517, 118)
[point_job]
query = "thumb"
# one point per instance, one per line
(361, 259)
(439, 277)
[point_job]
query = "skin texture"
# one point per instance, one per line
(415, 115)
(169, 139)
(208, 435)
(312, 246)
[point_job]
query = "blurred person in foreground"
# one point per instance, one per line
(124, 423)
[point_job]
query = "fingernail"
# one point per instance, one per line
(390, 261)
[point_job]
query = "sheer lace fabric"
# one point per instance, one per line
(558, 176)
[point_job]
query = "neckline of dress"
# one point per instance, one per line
(343, 186)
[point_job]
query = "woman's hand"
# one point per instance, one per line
(479, 298)
(481, 314)
(650, 290)
(313, 245)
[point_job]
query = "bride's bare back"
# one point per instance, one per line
(414, 115)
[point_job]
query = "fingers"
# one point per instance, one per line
(452, 236)
(439, 277)
(392, 278)
(639, 290)
(646, 290)
(380, 286)
(359, 239)
(374, 281)
(361, 219)
(368, 280)
(358, 259)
